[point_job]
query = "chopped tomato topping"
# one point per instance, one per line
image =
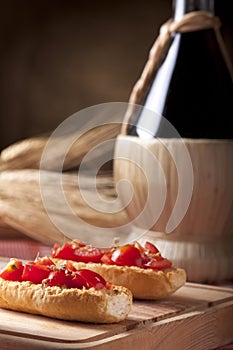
(159, 264)
(93, 278)
(106, 259)
(88, 254)
(12, 271)
(77, 252)
(127, 255)
(64, 252)
(83, 278)
(35, 272)
(151, 248)
(79, 281)
(147, 256)
(58, 277)
(139, 247)
(44, 271)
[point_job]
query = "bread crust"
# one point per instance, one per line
(143, 283)
(85, 305)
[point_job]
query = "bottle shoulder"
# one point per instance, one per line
(200, 51)
(192, 88)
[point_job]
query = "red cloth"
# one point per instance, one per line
(26, 249)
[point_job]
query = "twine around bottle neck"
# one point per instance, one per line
(190, 22)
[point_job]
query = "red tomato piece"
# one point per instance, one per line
(87, 254)
(106, 259)
(79, 281)
(151, 248)
(127, 255)
(93, 278)
(77, 252)
(145, 259)
(13, 271)
(139, 247)
(34, 272)
(58, 277)
(75, 279)
(64, 252)
(159, 264)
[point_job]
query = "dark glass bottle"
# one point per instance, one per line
(192, 88)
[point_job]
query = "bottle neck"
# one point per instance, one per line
(181, 7)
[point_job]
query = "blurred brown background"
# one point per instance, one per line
(59, 56)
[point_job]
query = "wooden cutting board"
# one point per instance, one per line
(195, 317)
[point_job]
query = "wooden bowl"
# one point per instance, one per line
(183, 190)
